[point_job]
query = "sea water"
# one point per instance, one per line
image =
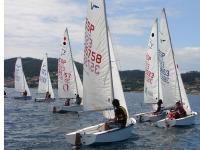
(32, 126)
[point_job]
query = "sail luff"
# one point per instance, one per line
(109, 56)
(47, 70)
(158, 64)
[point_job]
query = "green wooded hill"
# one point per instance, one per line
(132, 80)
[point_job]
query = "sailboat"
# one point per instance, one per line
(20, 82)
(171, 81)
(152, 87)
(45, 83)
(101, 80)
(69, 82)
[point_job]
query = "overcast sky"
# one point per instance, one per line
(34, 27)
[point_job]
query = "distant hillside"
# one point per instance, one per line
(132, 80)
(32, 66)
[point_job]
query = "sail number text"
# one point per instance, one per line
(92, 59)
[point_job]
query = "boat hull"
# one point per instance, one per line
(185, 121)
(95, 135)
(23, 97)
(72, 108)
(44, 100)
(149, 117)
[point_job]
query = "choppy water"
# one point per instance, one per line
(30, 125)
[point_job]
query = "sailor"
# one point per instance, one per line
(159, 107)
(78, 99)
(48, 95)
(179, 110)
(25, 93)
(120, 116)
(67, 102)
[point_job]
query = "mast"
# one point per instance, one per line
(72, 61)
(112, 94)
(47, 72)
(158, 62)
(173, 57)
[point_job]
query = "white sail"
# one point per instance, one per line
(20, 80)
(67, 86)
(44, 79)
(152, 89)
(118, 90)
(168, 74)
(185, 101)
(78, 81)
(50, 87)
(97, 83)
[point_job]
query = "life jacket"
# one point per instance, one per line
(121, 114)
(171, 115)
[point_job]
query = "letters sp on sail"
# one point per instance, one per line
(97, 88)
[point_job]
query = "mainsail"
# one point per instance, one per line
(170, 77)
(152, 88)
(69, 82)
(20, 80)
(44, 79)
(97, 88)
(100, 75)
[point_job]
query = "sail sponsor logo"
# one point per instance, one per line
(149, 75)
(93, 6)
(92, 59)
(164, 73)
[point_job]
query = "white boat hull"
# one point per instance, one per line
(44, 100)
(185, 121)
(23, 97)
(94, 134)
(73, 108)
(148, 117)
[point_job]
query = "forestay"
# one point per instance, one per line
(167, 65)
(118, 90)
(97, 84)
(67, 77)
(20, 80)
(152, 88)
